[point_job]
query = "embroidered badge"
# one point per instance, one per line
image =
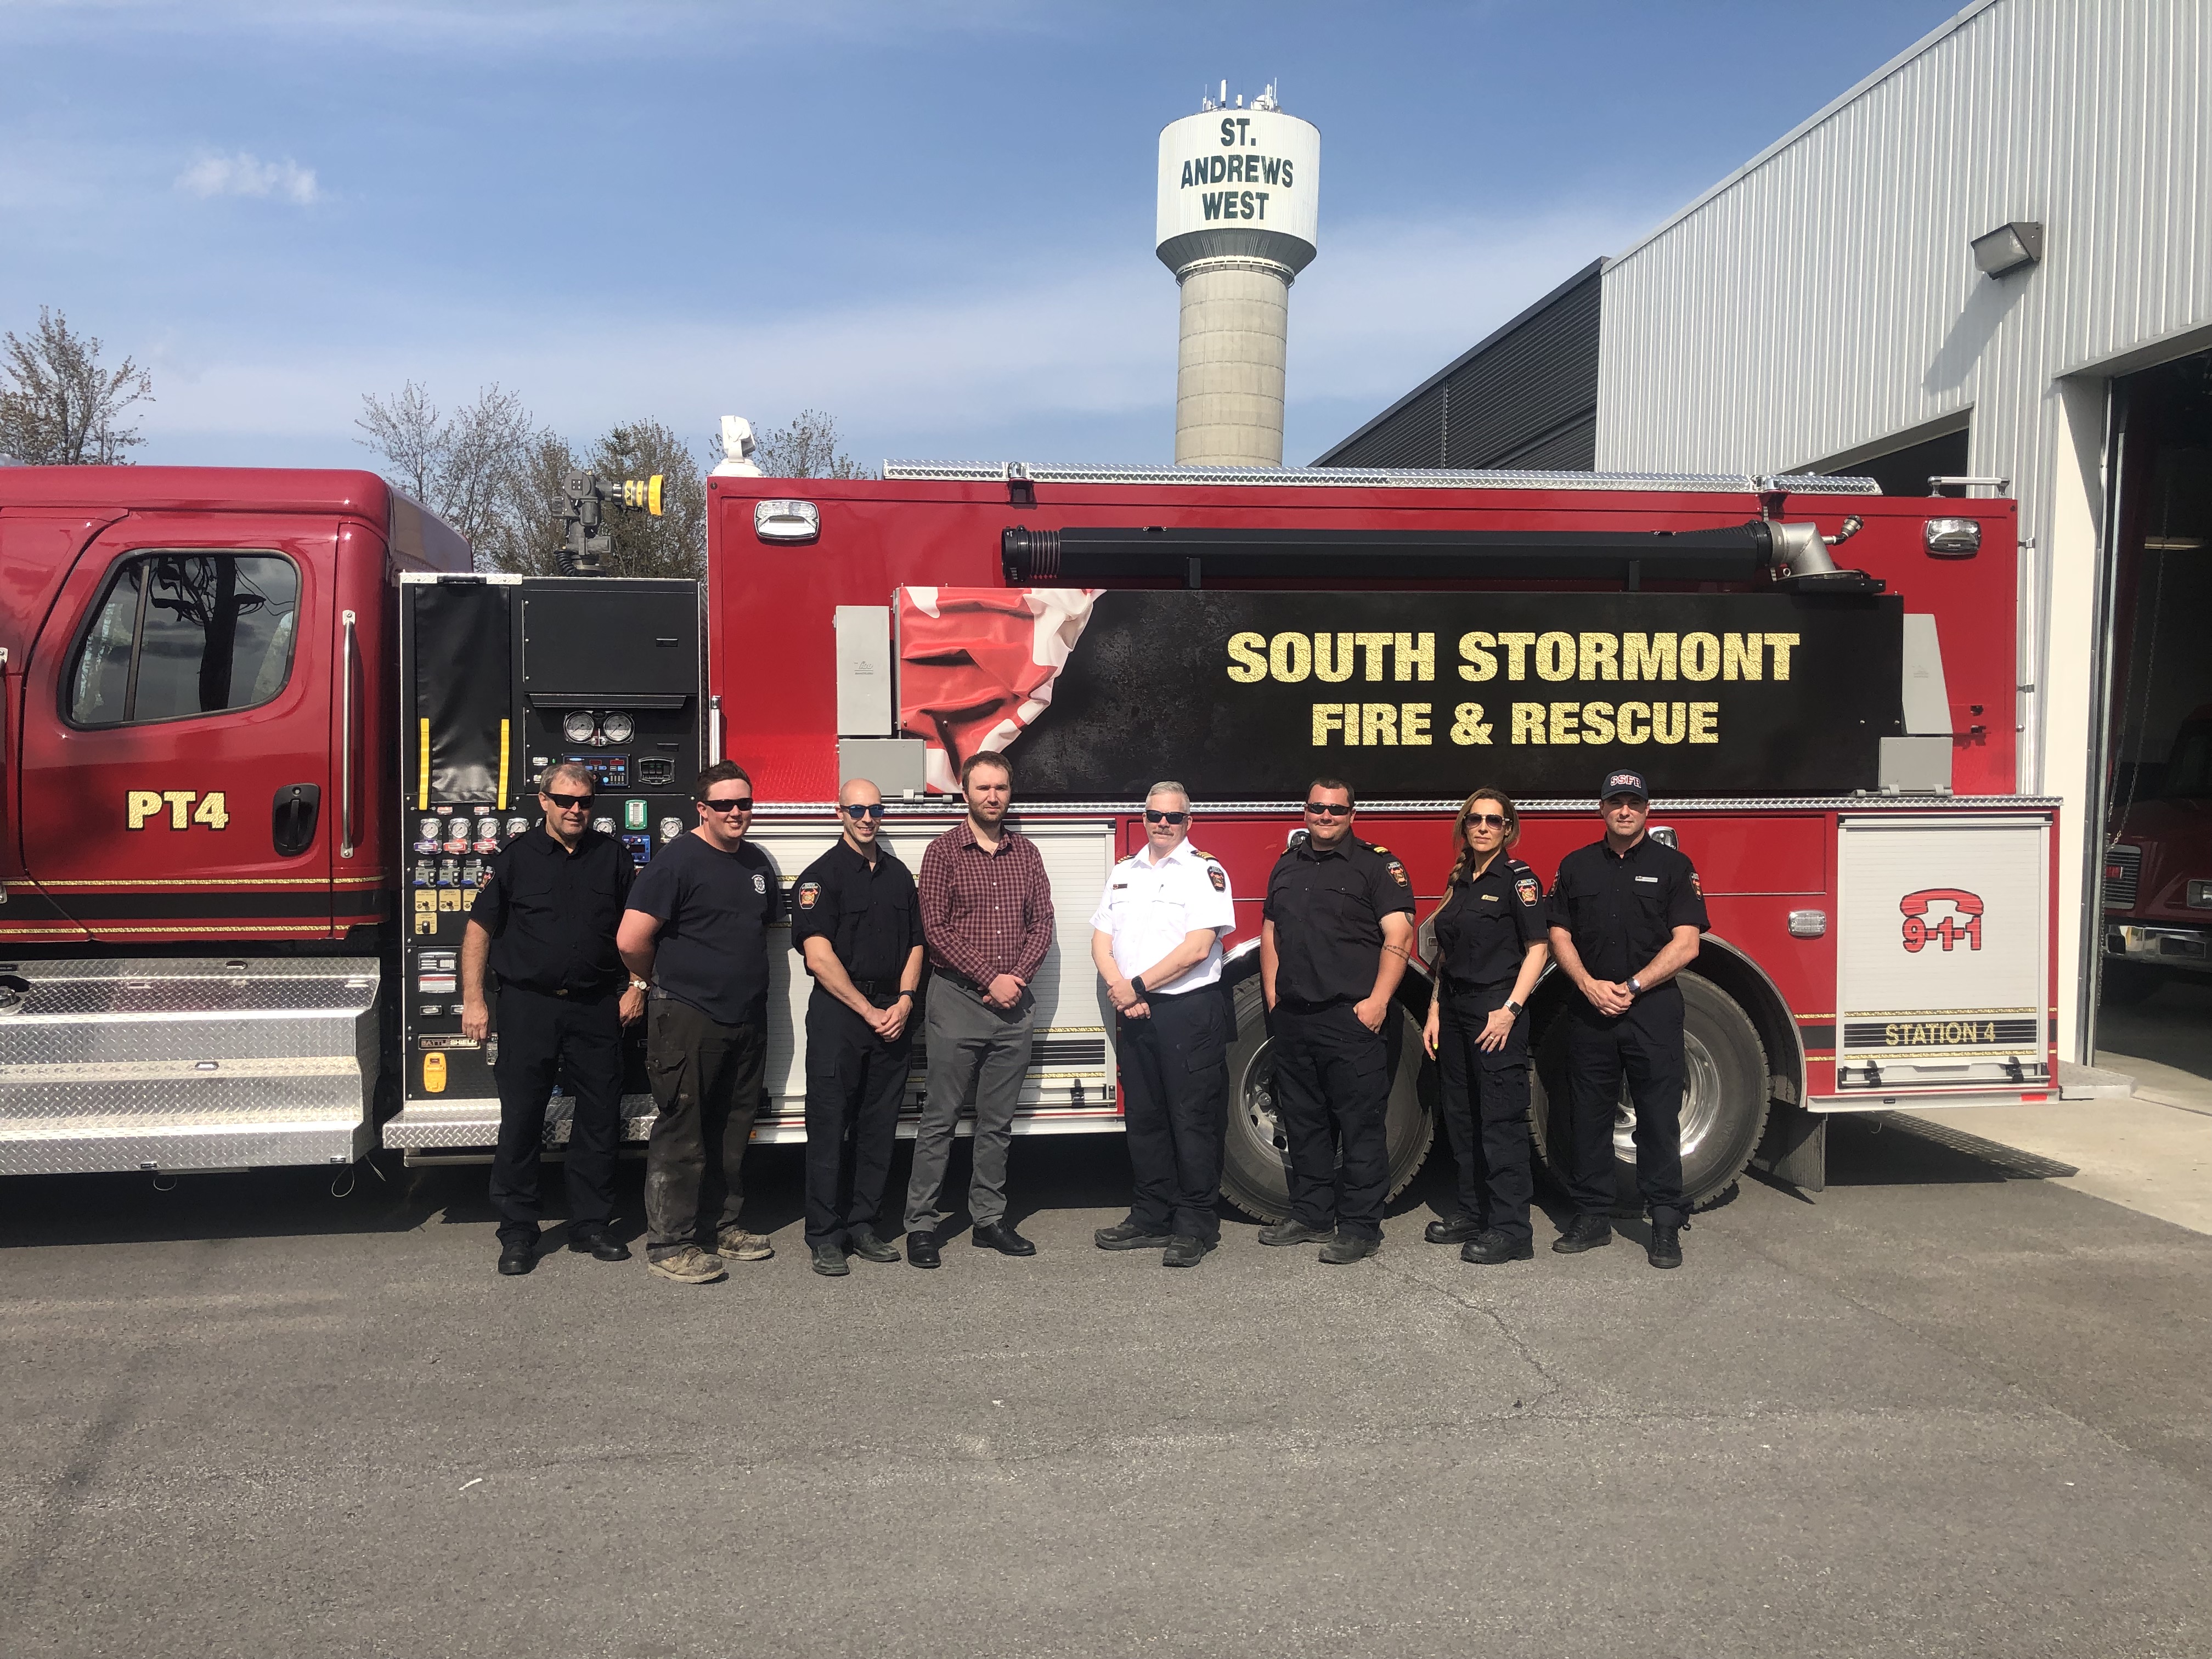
(1220, 882)
(1526, 887)
(808, 892)
(1694, 888)
(760, 882)
(1398, 873)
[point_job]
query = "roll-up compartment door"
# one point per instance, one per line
(458, 738)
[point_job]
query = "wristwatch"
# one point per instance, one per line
(909, 996)
(1137, 984)
(1635, 985)
(637, 984)
(1513, 1008)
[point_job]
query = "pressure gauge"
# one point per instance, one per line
(516, 826)
(604, 826)
(670, 828)
(617, 727)
(577, 726)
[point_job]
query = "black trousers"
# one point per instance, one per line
(854, 1080)
(1485, 1110)
(1175, 1106)
(1645, 1045)
(538, 1035)
(706, 1080)
(1332, 1092)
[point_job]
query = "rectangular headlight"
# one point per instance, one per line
(787, 521)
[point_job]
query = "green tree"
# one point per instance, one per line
(58, 406)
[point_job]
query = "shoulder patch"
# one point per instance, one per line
(1694, 888)
(809, 892)
(760, 882)
(1398, 873)
(1524, 888)
(1214, 873)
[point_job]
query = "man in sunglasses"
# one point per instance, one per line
(1156, 938)
(1333, 939)
(1627, 916)
(545, 922)
(856, 923)
(697, 928)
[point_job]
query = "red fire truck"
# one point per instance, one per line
(2158, 873)
(219, 941)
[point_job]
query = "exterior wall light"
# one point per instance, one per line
(2008, 247)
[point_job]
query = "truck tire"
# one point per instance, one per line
(1256, 1162)
(1724, 1100)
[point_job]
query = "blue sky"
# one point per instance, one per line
(933, 220)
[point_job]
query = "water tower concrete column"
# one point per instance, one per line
(1239, 197)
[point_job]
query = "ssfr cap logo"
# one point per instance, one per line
(1624, 783)
(808, 892)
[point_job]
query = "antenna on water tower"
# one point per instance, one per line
(1238, 216)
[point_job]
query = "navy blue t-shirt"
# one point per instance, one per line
(714, 910)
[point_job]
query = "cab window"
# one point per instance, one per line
(183, 634)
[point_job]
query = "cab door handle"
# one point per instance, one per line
(292, 818)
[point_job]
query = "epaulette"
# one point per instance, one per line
(1195, 853)
(1377, 847)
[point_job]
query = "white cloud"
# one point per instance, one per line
(247, 174)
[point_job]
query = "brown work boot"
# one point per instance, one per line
(738, 1245)
(689, 1265)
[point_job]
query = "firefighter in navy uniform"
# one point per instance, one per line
(1491, 937)
(1334, 942)
(545, 920)
(1626, 915)
(856, 921)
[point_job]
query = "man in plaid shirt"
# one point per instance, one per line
(986, 918)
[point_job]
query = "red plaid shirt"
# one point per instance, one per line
(985, 913)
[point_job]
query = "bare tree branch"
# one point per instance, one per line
(58, 407)
(807, 449)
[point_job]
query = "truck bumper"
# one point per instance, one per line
(128, 1064)
(2188, 949)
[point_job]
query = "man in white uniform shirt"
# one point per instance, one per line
(1156, 940)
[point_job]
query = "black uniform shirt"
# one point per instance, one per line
(552, 914)
(1619, 909)
(1488, 922)
(1327, 908)
(714, 910)
(870, 914)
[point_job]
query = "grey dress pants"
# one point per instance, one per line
(975, 1052)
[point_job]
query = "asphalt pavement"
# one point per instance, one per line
(1944, 1407)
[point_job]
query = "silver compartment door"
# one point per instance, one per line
(1070, 1080)
(1944, 964)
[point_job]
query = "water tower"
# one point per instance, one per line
(1239, 209)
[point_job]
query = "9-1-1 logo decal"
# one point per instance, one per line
(1946, 914)
(173, 809)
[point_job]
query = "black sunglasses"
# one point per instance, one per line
(864, 809)
(571, 803)
(733, 804)
(1329, 809)
(1151, 817)
(1487, 820)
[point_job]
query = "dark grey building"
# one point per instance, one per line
(1525, 398)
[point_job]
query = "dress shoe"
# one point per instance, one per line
(1294, 1232)
(1488, 1247)
(1129, 1235)
(1585, 1232)
(517, 1256)
(1184, 1251)
(921, 1250)
(599, 1244)
(1457, 1230)
(830, 1260)
(1349, 1247)
(1665, 1250)
(863, 1243)
(999, 1235)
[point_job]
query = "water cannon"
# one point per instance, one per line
(583, 504)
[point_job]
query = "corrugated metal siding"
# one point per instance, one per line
(1528, 390)
(1827, 298)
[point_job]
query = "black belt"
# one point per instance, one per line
(1300, 1005)
(1465, 987)
(960, 980)
(877, 988)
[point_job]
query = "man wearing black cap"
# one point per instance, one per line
(1626, 914)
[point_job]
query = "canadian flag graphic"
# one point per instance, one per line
(977, 666)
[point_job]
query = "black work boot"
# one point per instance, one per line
(1456, 1231)
(1350, 1247)
(1130, 1235)
(1665, 1250)
(1585, 1232)
(1292, 1230)
(1489, 1247)
(1186, 1250)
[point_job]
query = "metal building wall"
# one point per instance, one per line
(1823, 298)
(1524, 396)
